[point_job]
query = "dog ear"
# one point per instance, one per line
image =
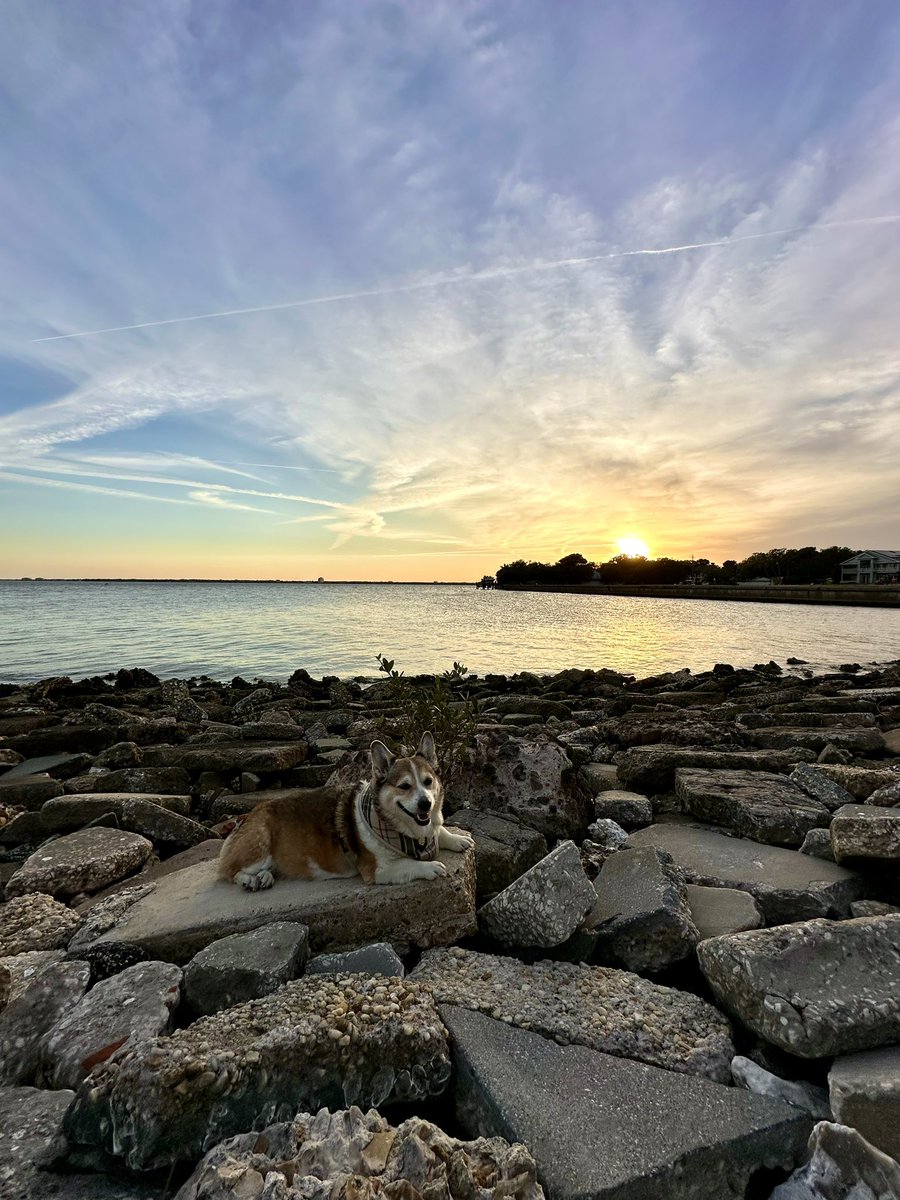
(427, 750)
(382, 760)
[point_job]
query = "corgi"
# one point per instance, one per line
(389, 829)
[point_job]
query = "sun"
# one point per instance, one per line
(634, 547)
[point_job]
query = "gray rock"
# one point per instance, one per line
(379, 958)
(55, 764)
(36, 922)
(245, 966)
(817, 843)
(323, 1040)
(160, 825)
(252, 702)
(21, 969)
(631, 810)
(750, 1075)
(864, 831)
(722, 910)
(31, 1120)
(887, 796)
(788, 886)
(543, 906)
(185, 911)
(651, 769)
(65, 814)
(815, 988)
(755, 804)
(31, 791)
(820, 786)
(642, 917)
(27, 1020)
(865, 1093)
(226, 756)
(605, 1128)
(607, 833)
(842, 1166)
(163, 781)
(119, 755)
(872, 908)
(600, 777)
(504, 848)
(137, 1002)
(85, 861)
(613, 1011)
(333, 1154)
(860, 782)
(859, 741)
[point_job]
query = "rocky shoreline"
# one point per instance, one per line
(669, 968)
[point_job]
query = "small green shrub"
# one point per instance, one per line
(442, 707)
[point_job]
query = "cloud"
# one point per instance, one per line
(218, 501)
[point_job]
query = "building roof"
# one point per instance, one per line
(894, 554)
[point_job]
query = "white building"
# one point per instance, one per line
(872, 566)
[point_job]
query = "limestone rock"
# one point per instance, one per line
(722, 910)
(28, 1019)
(138, 1002)
(642, 916)
(820, 786)
(163, 781)
(887, 796)
(85, 861)
(609, 1010)
(755, 804)
(317, 1041)
(651, 769)
(245, 966)
(243, 756)
(787, 885)
(864, 831)
(31, 1120)
(377, 959)
(631, 810)
(865, 1093)
(750, 1075)
(818, 844)
(21, 969)
(543, 906)
(504, 848)
(842, 1166)
(336, 1156)
(65, 814)
(30, 791)
(604, 1127)
(160, 825)
(35, 922)
(814, 988)
(859, 741)
(185, 911)
(860, 782)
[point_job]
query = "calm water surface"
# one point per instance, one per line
(270, 629)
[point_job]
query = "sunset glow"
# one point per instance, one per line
(633, 546)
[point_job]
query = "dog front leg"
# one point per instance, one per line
(457, 842)
(406, 870)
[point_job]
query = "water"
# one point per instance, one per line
(270, 629)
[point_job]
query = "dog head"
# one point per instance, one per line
(408, 790)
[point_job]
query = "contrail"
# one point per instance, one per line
(478, 277)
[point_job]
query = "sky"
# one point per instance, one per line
(410, 290)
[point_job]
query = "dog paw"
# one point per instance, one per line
(255, 883)
(457, 842)
(431, 870)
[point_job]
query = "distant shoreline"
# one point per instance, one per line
(845, 594)
(181, 579)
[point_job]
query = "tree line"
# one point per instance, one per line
(805, 565)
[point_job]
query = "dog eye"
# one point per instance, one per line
(404, 787)
(428, 782)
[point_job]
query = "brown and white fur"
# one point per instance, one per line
(318, 833)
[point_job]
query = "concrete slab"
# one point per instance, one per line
(191, 908)
(605, 1128)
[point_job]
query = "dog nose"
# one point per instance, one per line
(424, 805)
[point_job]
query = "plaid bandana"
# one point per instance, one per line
(424, 850)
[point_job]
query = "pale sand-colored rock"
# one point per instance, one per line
(81, 862)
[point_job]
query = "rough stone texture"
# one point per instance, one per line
(245, 966)
(860, 782)
(55, 764)
(722, 910)
(605, 1128)
(820, 786)
(818, 844)
(504, 848)
(631, 810)
(607, 833)
(68, 813)
(31, 1121)
(530, 779)
(377, 959)
(750, 1075)
(755, 804)
(872, 908)
(651, 769)
(106, 961)
(864, 831)
(336, 1156)
(788, 886)
(187, 910)
(815, 988)
(137, 1002)
(27, 1020)
(842, 1166)
(642, 916)
(21, 969)
(865, 1093)
(30, 792)
(545, 905)
(35, 922)
(163, 781)
(160, 825)
(860, 741)
(887, 796)
(325, 1040)
(81, 862)
(245, 756)
(614, 1011)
